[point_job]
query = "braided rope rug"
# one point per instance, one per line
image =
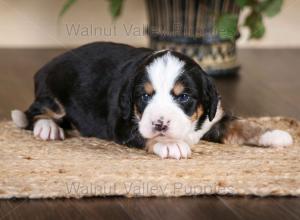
(79, 167)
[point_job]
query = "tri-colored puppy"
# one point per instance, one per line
(158, 100)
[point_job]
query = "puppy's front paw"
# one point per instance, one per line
(175, 150)
(47, 129)
(275, 138)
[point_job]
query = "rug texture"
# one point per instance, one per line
(79, 167)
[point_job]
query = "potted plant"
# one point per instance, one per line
(205, 30)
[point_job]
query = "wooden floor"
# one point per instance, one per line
(269, 85)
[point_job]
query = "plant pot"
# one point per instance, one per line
(189, 27)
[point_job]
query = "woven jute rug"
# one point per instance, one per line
(79, 167)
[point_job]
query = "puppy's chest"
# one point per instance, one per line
(193, 137)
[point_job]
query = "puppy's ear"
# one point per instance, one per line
(125, 100)
(211, 97)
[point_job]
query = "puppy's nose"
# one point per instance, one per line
(160, 126)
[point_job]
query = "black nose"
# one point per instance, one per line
(160, 126)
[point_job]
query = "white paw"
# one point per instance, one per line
(172, 150)
(275, 138)
(19, 118)
(47, 129)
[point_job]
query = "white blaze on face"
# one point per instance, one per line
(163, 73)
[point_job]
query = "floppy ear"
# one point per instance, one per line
(211, 97)
(125, 100)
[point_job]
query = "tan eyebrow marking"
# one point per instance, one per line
(178, 88)
(149, 88)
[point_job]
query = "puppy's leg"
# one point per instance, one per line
(43, 117)
(232, 130)
(168, 149)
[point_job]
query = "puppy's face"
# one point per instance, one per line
(170, 96)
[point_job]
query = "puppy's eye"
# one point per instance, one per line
(146, 98)
(182, 98)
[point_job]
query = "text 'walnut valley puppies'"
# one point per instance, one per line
(158, 100)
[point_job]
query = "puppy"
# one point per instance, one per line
(158, 100)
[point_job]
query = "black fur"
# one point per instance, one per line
(219, 130)
(98, 86)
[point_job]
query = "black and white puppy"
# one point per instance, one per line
(158, 100)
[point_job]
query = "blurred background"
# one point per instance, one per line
(261, 44)
(34, 23)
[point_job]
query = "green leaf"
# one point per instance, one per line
(227, 26)
(259, 31)
(115, 8)
(255, 23)
(241, 3)
(66, 7)
(271, 7)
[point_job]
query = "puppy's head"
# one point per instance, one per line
(171, 93)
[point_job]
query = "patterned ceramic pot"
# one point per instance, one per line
(189, 26)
